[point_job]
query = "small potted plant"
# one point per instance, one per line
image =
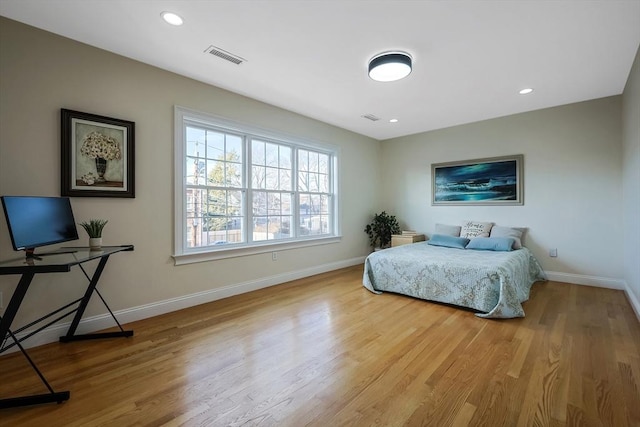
(381, 229)
(94, 230)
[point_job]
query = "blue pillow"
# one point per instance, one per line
(448, 241)
(492, 243)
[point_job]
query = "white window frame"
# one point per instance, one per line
(184, 255)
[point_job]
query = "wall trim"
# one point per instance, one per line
(600, 282)
(128, 315)
(581, 279)
(633, 300)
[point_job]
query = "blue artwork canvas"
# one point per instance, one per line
(495, 181)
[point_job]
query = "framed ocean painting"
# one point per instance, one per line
(491, 181)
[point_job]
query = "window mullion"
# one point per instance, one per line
(185, 195)
(248, 170)
(295, 192)
(330, 208)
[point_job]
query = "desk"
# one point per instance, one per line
(58, 261)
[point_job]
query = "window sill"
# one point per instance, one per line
(223, 253)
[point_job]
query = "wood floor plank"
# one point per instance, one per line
(323, 351)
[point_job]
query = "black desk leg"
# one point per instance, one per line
(35, 399)
(5, 332)
(71, 333)
(14, 304)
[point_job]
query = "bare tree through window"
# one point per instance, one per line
(240, 188)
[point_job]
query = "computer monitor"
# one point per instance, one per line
(38, 221)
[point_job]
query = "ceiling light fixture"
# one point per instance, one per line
(393, 121)
(171, 18)
(390, 66)
(525, 91)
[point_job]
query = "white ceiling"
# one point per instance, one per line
(310, 56)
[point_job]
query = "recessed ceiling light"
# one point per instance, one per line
(525, 91)
(393, 121)
(390, 66)
(171, 18)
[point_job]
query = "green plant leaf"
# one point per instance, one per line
(94, 227)
(381, 229)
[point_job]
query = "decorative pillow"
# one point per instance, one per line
(471, 229)
(448, 241)
(491, 243)
(449, 230)
(516, 233)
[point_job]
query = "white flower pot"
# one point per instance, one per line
(95, 243)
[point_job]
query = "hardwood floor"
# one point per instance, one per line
(323, 351)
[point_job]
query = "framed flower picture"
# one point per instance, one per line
(97, 156)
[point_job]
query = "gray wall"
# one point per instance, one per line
(581, 176)
(41, 73)
(572, 183)
(631, 180)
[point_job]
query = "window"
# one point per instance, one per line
(241, 190)
(271, 190)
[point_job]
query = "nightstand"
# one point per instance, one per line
(405, 239)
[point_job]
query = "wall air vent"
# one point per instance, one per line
(221, 53)
(371, 117)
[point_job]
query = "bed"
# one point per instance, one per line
(493, 283)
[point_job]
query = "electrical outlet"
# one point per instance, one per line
(553, 252)
(274, 256)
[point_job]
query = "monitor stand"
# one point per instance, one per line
(30, 253)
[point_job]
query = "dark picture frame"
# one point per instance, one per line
(97, 156)
(490, 181)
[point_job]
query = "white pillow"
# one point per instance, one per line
(449, 230)
(471, 229)
(516, 232)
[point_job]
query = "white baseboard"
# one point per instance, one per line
(635, 303)
(600, 282)
(581, 279)
(127, 315)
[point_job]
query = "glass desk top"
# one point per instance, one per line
(61, 259)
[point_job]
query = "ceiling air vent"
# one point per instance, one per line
(221, 53)
(371, 117)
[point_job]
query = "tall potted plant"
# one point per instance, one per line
(381, 229)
